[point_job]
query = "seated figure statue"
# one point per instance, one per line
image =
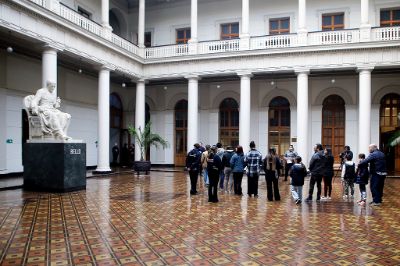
(44, 104)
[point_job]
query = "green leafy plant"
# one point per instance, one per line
(395, 139)
(147, 138)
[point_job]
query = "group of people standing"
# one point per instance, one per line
(224, 169)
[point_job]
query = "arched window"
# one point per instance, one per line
(333, 124)
(229, 122)
(389, 125)
(279, 124)
(115, 111)
(181, 117)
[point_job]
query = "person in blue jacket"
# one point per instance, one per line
(297, 172)
(362, 176)
(237, 166)
(377, 167)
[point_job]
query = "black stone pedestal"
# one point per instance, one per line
(54, 167)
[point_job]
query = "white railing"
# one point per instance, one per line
(333, 37)
(218, 46)
(40, 2)
(274, 41)
(386, 34)
(81, 21)
(124, 44)
(167, 51)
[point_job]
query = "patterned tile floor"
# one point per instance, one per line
(152, 220)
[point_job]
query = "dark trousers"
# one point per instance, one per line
(287, 168)
(252, 184)
(327, 186)
(377, 183)
(193, 181)
(213, 186)
(237, 183)
(272, 182)
(315, 179)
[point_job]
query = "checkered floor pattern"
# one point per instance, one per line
(152, 220)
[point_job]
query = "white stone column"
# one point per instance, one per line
(103, 145)
(105, 21)
(365, 27)
(193, 111)
(244, 35)
(244, 109)
(302, 26)
(141, 24)
(49, 65)
(140, 112)
(193, 22)
(364, 108)
(303, 147)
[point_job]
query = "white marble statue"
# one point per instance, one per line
(54, 123)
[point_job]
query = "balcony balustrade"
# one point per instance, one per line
(210, 47)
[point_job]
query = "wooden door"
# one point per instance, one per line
(181, 114)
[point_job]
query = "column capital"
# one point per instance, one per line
(193, 77)
(247, 74)
(302, 70)
(52, 47)
(365, 67)
(107, 67)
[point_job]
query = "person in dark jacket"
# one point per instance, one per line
(272, 165)
(317, 168)
(362, 176)
(226, 163)
(377, 167)
(329, 160)
(214, 168)
(298, 172)
(237, 166)
(193, 161)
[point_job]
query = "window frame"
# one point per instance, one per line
(279, 30)
(185, 38)
(391, 21)
(333, 26)
(230, 35)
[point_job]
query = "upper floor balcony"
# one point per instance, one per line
(333, 32)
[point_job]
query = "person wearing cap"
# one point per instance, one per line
(253, 159)
(226, 159)
(193, 161)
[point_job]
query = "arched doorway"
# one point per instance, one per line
(389, 127)
(229, 122)
(181, 117)
(116, 116)
(279, 124)
(333, 124)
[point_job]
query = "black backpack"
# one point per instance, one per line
(350, 172)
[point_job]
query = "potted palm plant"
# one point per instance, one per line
(145, 138)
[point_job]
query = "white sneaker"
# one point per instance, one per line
(323, 198)
(328, 198)
(345, 196)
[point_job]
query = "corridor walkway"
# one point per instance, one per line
(152, 220)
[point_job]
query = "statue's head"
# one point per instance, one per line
(51, 86)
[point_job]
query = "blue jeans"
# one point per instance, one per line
(297, 192)
(205, 176)
(221, 179)
(377, 183)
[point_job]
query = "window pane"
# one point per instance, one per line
(385, 15)
(225, 29)
(326, 20)
(339, 19)
(396, 14)
(180, 34)
(273, 25)
(235, 28)
(285, 24)
(188, 34)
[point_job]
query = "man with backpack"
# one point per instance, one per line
(193, 161)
